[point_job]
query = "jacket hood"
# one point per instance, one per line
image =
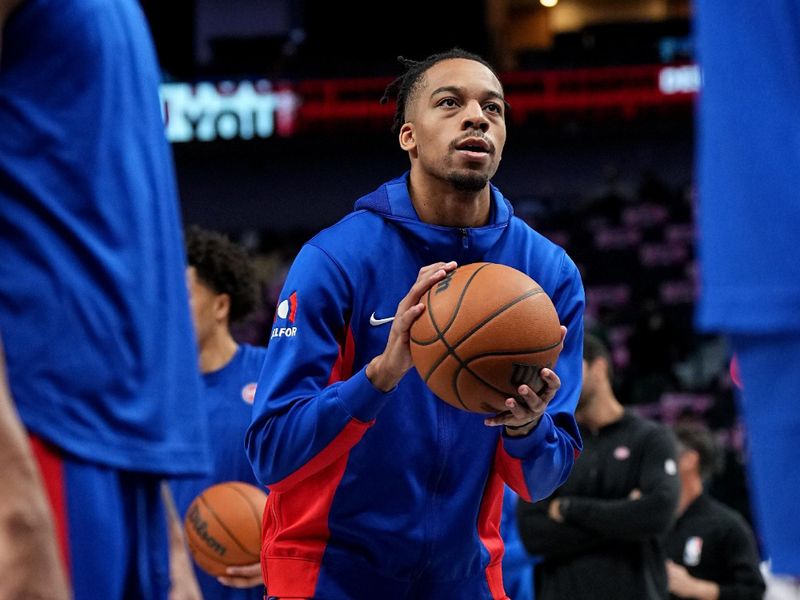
(392, 202)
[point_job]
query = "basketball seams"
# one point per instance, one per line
(456, 308)
(246, 498)
(440, 334)
(479, 378)
(466, 365)
(222, 525)
(451, 349)
(502, 309)
(202, 553)
(511, 352)
(455, 379)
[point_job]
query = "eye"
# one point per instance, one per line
(494, 107)
(448, 102)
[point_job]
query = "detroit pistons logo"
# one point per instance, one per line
(285, 316)
(249, 392)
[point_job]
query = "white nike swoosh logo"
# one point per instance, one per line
(375, 322)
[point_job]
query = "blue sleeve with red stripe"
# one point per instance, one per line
(309, 408)
(535, 465)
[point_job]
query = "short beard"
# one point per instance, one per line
(468, 182)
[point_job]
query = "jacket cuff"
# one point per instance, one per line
(360, 399)
(524, 446)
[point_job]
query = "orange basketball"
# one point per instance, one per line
(486, 329)
(223, 526)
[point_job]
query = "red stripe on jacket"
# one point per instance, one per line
(295, 529)
(510, 470)
(489, 516)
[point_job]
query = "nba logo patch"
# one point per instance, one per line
(249, 393)
(692, 551)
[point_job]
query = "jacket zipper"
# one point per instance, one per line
(464, 237)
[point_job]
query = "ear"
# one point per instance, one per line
(222, 307)
(599, 366)
(691, 459)
(407, 137)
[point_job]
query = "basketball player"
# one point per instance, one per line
(378, 488)
(223, 290)
(749, 219)
(94, 311)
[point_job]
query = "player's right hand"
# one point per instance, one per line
(387, 369)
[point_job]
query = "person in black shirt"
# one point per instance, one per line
(711, 550)
(600, 535)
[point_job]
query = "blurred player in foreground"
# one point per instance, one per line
(94, 313)
(749, 223)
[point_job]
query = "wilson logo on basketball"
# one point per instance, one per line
(444, 283)
(223, 526)
(522, 373)
(287, 312)
(200, 527)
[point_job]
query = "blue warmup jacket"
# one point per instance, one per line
(395, 495)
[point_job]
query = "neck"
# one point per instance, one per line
(438, 203)
(217, 351)
(603, 409)
(691, 490)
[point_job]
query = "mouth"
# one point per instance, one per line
(474, 149)
(474, 145)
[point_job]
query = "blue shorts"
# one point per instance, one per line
(770, 378)
(111, 527)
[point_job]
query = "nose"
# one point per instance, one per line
(474, 118)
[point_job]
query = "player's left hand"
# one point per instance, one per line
(246, 576)
(524, 411)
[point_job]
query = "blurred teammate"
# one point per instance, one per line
(93, 305)
(711, 551)
(600, 536)
(378, 488)
(222, 291)
(749, 219)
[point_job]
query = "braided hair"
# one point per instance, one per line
(404, 87)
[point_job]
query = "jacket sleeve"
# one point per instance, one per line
(745, 580)
(544, 537)
(650, 515)
(535, 465)
(309, 409)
